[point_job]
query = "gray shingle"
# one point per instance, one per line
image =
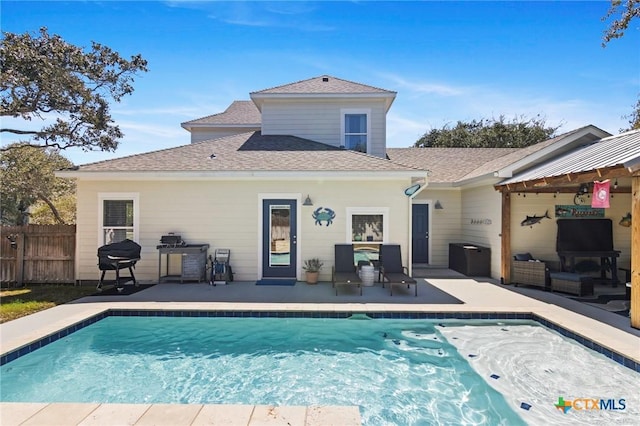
(250, 152)
(446, 165)
(323, 84)
(239, 112)
(454, 165)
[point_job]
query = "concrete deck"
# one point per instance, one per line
(477, 295)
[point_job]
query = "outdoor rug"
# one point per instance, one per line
(126, 290)
(276, 282)
(617, 303)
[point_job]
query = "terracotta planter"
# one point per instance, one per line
(312, 277)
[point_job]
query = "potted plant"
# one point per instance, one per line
(312, 267)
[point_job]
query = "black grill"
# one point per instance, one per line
(116, 256)
(171, 240)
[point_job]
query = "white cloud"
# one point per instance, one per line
(179, 111)
(412, 115)
(424, 87)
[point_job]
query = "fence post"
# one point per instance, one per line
(20, 260)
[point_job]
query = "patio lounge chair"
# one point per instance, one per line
(343, 271)
(391, 267)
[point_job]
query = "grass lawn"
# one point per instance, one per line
(19, 302)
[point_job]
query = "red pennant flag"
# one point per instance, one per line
(600, 194)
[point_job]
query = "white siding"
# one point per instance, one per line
(481, 221)
(199, 135)
(444, 225)
(320, 120)
(225, 214)
(540, 239)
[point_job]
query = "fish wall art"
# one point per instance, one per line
(625, 221)
(532, 220)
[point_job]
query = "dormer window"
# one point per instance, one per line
(355, 127)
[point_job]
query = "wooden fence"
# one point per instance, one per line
(37, 254)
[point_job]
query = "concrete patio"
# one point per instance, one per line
(439, 291)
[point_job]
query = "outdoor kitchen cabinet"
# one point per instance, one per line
(193, 264)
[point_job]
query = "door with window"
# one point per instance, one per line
(279, 238)
(420, 233)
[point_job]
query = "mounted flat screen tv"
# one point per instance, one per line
(584, 235)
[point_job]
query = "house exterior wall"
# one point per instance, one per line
(444, 225)
(202, 134)
(225, 214)
(540, 240)
(481, 221)
(319, 120)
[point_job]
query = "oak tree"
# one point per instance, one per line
(622, 13)
(489, 133)
(58, 94)
(27, 177)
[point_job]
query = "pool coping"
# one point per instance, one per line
(483, 299)
(339, 314)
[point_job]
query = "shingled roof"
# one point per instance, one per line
(238, 113)
(446, 165)
(251, 152)
(323, 84)
(456, 165)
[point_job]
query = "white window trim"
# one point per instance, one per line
(384, 211)
(345, 111)
(106, 196)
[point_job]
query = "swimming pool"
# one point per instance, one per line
(397, 371)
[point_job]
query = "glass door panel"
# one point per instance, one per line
(279, 238)
(280, 235)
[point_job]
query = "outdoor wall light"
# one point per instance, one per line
(412, 189)
(584, 188)
(438, 206)
(307, 201)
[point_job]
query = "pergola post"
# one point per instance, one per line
(635, 251)
(505, 238)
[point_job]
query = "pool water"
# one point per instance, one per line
(400, 372)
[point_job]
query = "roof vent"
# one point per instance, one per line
(325, 79)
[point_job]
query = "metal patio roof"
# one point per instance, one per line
(619, 150)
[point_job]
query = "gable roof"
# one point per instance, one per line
(238, 114)
(324, 86)
(615, 151)
(248, 154)
(456, 166)
(446, 165)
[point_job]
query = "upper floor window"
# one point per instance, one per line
(355, 130)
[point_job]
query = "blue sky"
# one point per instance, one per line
(448, 61)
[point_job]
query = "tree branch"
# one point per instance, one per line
(53, 208)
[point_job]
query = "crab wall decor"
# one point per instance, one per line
(323, 214)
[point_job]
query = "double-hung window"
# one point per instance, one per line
(355, 127)
(119, 217)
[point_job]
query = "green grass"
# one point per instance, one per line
(19, 302)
